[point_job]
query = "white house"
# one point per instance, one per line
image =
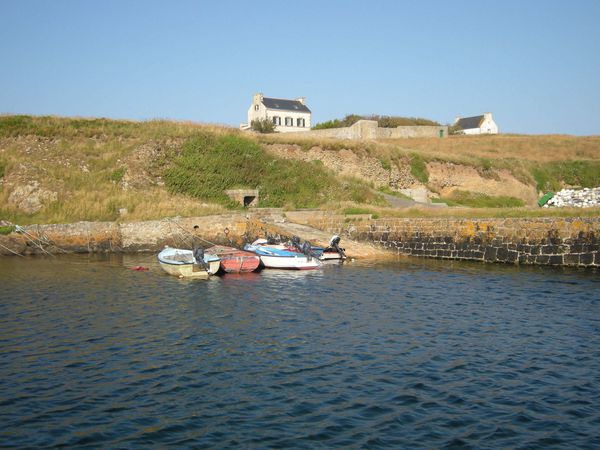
(287, 115)
(476, 125)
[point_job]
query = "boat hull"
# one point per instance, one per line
(234, 260)
(181, 263)
(273, 257)
(289, 262)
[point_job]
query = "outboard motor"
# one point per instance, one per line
(295, 241)
(199, 257)
(334, 243)
(307, 250)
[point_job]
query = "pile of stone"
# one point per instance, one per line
(578, 198)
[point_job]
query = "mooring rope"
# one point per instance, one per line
(12, 251)
(32, 239)
(191, 235)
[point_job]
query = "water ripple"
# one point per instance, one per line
(403, 355)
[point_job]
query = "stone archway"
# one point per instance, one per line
(248, 198)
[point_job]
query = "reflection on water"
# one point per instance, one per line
(406, 354)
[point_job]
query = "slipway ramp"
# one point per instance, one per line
(283, 228)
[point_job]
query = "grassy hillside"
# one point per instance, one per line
(91, 169)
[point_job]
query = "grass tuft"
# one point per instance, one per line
(418, 168)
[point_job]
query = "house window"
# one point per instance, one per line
(255, 107)
(289, 122)
(300, 122)
(276, 120)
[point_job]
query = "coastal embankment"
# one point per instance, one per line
(571, 242)
(531, 241)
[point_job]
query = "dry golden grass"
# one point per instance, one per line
(500, 151)
(545, 148)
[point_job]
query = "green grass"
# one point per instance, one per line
(418, 168)
(7, 229)
(389, 191)
(553, 175)
(479, 200)
(117, 175)
(385, 164)
(356, 210)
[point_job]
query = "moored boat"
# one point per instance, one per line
(234, 260)
(278, 258)
(188, 263)
(333, 252)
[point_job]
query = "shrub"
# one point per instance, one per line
(329, 124)
(553, 175)
(263, 125)
(208, 165)
(382, 121)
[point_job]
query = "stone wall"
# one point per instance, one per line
(368, 129)
(108, 237)
(543, 241)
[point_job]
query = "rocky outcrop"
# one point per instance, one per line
(31, 197)
(345, 162)
(445, 178)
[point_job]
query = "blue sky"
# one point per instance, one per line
(534, 64)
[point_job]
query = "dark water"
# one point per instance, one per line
(410, 354)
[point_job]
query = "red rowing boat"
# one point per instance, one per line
(234, 260)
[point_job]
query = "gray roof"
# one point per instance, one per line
(466, 123)
(285, 105)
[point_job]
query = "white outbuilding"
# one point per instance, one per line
(476, 125)
(286, 115)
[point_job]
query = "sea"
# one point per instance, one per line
(409, 353)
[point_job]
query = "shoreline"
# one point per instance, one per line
(569, 242)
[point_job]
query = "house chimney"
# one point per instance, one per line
(301, 100)
(487, 115)
(257, 99)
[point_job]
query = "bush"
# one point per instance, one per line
(263, 125)
(552, 176)
(382, 121)
(208, 165)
